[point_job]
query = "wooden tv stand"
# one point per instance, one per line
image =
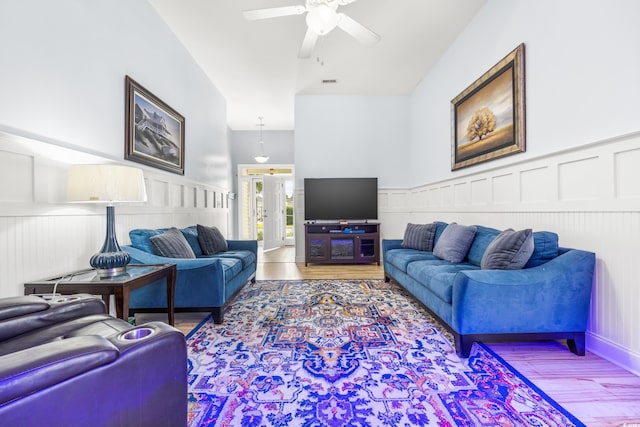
(332, 243)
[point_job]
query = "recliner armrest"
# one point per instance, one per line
(57, 310)
(19, 306)
(33, 369)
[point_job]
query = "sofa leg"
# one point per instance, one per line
(253, 279)
(577, 344)
(217, 314)
(463, 345)
(387, 278)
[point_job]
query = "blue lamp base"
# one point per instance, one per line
(111, 260)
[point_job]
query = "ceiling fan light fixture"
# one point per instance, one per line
(321, 19)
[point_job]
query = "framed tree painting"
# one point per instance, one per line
(154, 132)
(488, 117)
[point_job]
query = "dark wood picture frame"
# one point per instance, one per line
(488, 117)
(154, 132)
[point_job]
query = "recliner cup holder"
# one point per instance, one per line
(137, 334)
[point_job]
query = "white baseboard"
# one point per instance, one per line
(613, 352)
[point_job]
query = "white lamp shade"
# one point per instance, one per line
(105, 184)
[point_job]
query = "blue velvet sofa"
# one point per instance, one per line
(66, 363)
(205, 283)
(549, 298)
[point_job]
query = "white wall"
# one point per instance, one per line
(581, 73)
(63, 66)
(278, 145)
(352, 136)
(62, 69)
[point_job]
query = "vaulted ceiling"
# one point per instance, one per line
(255, 64)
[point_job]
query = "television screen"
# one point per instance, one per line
(340, 199)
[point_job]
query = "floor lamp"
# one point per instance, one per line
(107, 184)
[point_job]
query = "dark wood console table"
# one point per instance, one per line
(351, 243)
(87, 281)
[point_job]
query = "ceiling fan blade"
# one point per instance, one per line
(273, 12)
(308, 44)
(357, 30)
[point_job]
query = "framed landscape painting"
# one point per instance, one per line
(488, 117)
(154, 133)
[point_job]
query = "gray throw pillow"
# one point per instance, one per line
(510, 250)
(171, 244)
(419, 236)
(454, 242)
(211, 240)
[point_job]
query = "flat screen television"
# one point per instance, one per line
(335, 199)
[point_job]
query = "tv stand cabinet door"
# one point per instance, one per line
(367, 248)
(317, 248)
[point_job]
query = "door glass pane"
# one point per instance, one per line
(288, 189)
(245, 224)
(342, 249)
(259, 210)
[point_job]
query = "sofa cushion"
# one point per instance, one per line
(483, 238)
(231, 267)
(171, 244)
(441, 226)
(545, 248)
(454, 243)
(211, 240)
(140, 238)
(246, 257)
(426, 271)
(442, 284)
(400, 258)
(510, 250)
(419, 236)
(191, 234)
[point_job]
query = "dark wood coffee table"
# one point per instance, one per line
(88, 282)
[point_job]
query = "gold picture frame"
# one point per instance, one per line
(488, 117)
(154, 132)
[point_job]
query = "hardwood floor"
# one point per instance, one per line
(596, 391)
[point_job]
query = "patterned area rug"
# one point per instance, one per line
(349, 353)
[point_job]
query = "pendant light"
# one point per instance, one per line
(260, 156)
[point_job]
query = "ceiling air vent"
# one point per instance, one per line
(329, 81)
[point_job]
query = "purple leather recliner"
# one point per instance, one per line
(66, 362)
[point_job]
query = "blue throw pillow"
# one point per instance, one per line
(510, 250)
(171, 244)
(419, 236)
(191, 234)
(454, 243)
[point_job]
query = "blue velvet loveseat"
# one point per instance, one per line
(203, 283)
(547, 296)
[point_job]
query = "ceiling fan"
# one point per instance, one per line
(322, 17)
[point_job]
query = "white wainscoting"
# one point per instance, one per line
(590, 196)
(41, 235)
